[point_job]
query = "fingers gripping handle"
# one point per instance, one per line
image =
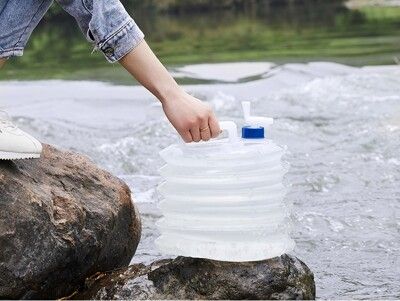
(226, 126)
(231, 128)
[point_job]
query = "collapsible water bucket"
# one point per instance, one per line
(224, 199)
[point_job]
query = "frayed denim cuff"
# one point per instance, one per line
(7, 53)
(121, 42)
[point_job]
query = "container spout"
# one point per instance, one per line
(255, 120)
(255, 125)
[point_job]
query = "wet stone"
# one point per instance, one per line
(62, 219)
(279, 278)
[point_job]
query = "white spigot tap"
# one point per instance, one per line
(255, 120)
(255, 125)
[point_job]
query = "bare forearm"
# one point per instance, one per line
(148, 70)
(193, 119)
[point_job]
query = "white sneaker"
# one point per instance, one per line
(15, 143)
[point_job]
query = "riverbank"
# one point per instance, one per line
(363, 36)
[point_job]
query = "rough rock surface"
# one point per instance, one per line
(284, 277)
(62, 219)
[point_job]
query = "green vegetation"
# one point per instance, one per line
(258, 32)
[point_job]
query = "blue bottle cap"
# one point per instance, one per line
(253, 132)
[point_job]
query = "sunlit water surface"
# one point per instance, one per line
(342, 128)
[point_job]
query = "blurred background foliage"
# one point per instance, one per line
(194, 31)
(192, 6)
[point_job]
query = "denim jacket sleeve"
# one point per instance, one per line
(106, 24)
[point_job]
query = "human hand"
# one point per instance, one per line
(193, 119)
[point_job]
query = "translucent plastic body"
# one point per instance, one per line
(223, 200)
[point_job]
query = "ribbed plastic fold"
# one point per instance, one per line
(224, 202)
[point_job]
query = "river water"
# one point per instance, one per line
(341, 125)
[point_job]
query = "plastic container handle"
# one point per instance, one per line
(231, 128)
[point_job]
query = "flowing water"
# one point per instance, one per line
(341, 125)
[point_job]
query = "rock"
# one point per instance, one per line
(284, 277)
(62, 219)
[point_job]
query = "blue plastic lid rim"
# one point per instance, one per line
(249, 132)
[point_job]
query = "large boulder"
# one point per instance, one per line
(283, 278)
(62, 219)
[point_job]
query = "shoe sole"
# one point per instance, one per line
(17, 156)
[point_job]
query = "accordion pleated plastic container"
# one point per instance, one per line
(224, 200)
